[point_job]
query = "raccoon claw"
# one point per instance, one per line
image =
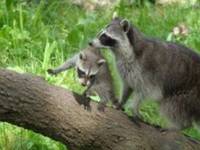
(101, 107)
(51, 72)
(86, 104)
(118, 106)
(136, 120)
(88, 108)
(163, 130)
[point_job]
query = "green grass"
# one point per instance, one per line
(15, 138)
(35, 37)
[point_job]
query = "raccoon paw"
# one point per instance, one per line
(118, 106)
(88, 108)
(86, 104)
(164, 130)
(136, 120)
(51, 72)
(101, 107)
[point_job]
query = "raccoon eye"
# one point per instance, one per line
(104, 37)
(92, 76)
(106, 40)
(80, 73)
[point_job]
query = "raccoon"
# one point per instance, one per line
(93, 72)
(163, 71)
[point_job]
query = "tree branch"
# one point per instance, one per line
(32, 103)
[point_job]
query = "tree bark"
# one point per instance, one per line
(30, 102)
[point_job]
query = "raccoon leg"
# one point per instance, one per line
(102, 104)
(105, 96)
(67, 65)
(136, 102)
(178, 111)
(86, 100)
(127, 91)
(115, 102)
(136, 105)
(137, 118)
(113, 99)
(83, 100)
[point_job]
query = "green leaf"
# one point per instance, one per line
(9, 4)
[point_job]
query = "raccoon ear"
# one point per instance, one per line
(125, 25)
(82, 56)
(101, 62)
(115, 15)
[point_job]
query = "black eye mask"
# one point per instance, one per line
(92, 78)
(106, 40)
(80, 73)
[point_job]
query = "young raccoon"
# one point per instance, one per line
(93, 72)
(164, 71)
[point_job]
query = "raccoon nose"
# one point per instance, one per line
(83, 84)
(90, 43)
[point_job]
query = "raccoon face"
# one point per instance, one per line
(113, 35)
(87, 68)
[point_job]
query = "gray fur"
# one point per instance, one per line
(164, 71)
(91, 62)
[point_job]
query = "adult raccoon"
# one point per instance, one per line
(164, 71)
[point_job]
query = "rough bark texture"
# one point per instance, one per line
(32, 103)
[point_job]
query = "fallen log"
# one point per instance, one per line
(30, 102)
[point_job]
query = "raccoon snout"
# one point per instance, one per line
(82, 81)
(90, 43)
(95, 43)
(83, 84)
